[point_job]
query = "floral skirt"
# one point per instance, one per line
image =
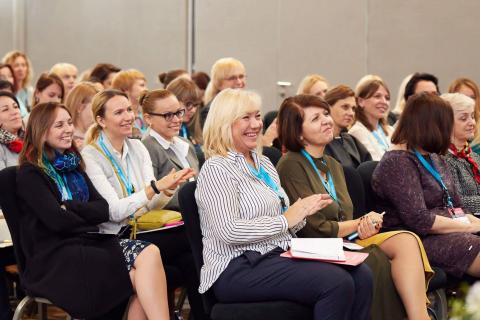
(131, 249)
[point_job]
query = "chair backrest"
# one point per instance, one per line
(273, 154)
(355, 190)
(365, 170)
(11, 212)
(189, 209)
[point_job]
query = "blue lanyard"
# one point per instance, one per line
(183, 131)
(434, 172)
(380, 137)
(125, 179)
(329, 185)
(262, 175)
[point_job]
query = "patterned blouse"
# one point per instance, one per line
(467, 186)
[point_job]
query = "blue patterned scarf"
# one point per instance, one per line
(64, 171)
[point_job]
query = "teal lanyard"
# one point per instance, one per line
(380, 137)
(59, 180)
(436, 175)
(329, 185)
(125, 179)
(183, 131)
(262, 175)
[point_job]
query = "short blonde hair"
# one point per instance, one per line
(458, 101)
(227, 107)
(221, 70)
(124, 80)
(308, 82)
(59, 68)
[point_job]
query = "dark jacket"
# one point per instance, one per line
(347, 150)
(83, 273)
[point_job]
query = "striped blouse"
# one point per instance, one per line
(238, 213)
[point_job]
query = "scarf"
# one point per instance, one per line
(465, 153)
(63, 170)
(14, 143)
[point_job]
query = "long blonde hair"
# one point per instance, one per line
(80, 95)
(98, 107)
(228, 106)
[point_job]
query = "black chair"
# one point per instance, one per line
(8, 203)
(436, 289)
(279, 310)
(273, 154)
(355, 190)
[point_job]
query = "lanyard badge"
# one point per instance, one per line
(262, 175)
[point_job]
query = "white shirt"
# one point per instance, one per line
(366, 137)
(238, 212)
(135, 162)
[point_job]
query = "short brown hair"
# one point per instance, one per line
(166, 77)
(426, 123)
(291, 116)
(39, 122)
(45, 80)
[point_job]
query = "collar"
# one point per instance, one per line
(113, 150)
(235, 156)
(178, 145)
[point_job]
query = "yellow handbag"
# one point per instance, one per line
(153, 219)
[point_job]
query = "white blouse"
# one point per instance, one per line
(371, 143)
(135, 162)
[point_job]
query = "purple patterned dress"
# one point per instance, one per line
(411, 198)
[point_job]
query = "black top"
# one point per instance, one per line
(347, 150)
(83, 273)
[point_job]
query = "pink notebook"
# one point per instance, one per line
(351, 258)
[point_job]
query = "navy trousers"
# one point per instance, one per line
(334, 291)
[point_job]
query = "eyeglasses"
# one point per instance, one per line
(168, 116)
(236, 77)
(190, 105)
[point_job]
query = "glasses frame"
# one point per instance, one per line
(168, 116)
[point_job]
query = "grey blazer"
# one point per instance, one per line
(164, 160)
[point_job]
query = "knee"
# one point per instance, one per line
(150, 255)
(363, 280)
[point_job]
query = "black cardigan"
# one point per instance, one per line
(83, 273)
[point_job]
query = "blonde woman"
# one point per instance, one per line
(225, 73)
(313, 84)
(121, 170)
(23, 73)
(68, 73)
(79, 103)
(247, 223)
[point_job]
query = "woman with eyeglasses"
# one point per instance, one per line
(163, 114)
(121, 170)
(225, 73)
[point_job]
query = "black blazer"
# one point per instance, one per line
(83, 273)
(347, 150)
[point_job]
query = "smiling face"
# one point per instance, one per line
(10, 118)
(343, 112)
(317, 127)
(118, 118)
(464, 124)
(167, 129)
(59, 135)
(376, 107)
(246, 132)
(52, 93)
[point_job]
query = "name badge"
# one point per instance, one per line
(459, 215)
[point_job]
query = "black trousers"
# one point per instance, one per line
(176, 252)
(6, 258)
(334, 292)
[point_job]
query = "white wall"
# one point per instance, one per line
(275, 39)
